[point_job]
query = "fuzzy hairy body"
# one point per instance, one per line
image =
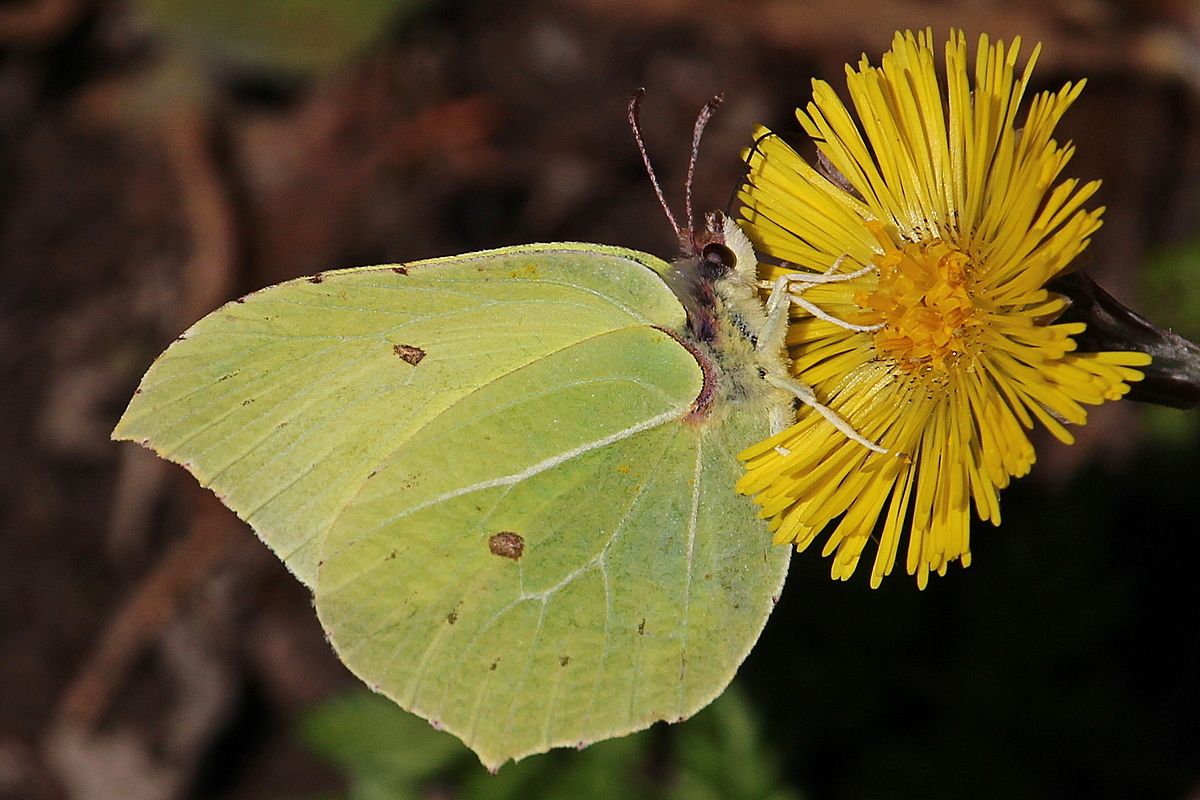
(738, 341)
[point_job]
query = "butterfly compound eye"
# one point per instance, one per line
(717, 259)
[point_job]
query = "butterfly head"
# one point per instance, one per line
(716, 267)
(714, 279)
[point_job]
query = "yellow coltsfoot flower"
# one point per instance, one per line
(951, 216)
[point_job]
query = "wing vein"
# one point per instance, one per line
(693, 520)
(529, 472)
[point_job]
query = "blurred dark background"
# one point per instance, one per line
(160, 157)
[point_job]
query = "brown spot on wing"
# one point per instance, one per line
(316, 278)
(409, 353)
(506, 544)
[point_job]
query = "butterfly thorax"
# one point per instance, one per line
(715, 281)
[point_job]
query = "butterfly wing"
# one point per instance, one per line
(640, 586)
(284, 401)
(483, 467)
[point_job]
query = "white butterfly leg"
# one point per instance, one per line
(774, 332)
(805, 395)
(797, 282)
(772, 337)
(790, 287)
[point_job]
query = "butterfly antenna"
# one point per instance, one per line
(635, 107)
(742, 179)
(706, 113)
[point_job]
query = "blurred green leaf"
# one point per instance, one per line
(1170, 427)
(282, 36)
(389, 754)
(385, 751)
(1168, 287)
(721, 755)
(615, 768)
(1169, 278)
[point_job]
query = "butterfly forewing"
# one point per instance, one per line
(285, 401)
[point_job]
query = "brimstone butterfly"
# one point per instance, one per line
(507, 476)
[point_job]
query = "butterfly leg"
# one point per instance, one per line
(797, 282)
(804, 393)
(786, 290)
(772, 339)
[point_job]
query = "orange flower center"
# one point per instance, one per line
(925, 303)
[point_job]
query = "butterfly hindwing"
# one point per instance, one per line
(640, 584)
